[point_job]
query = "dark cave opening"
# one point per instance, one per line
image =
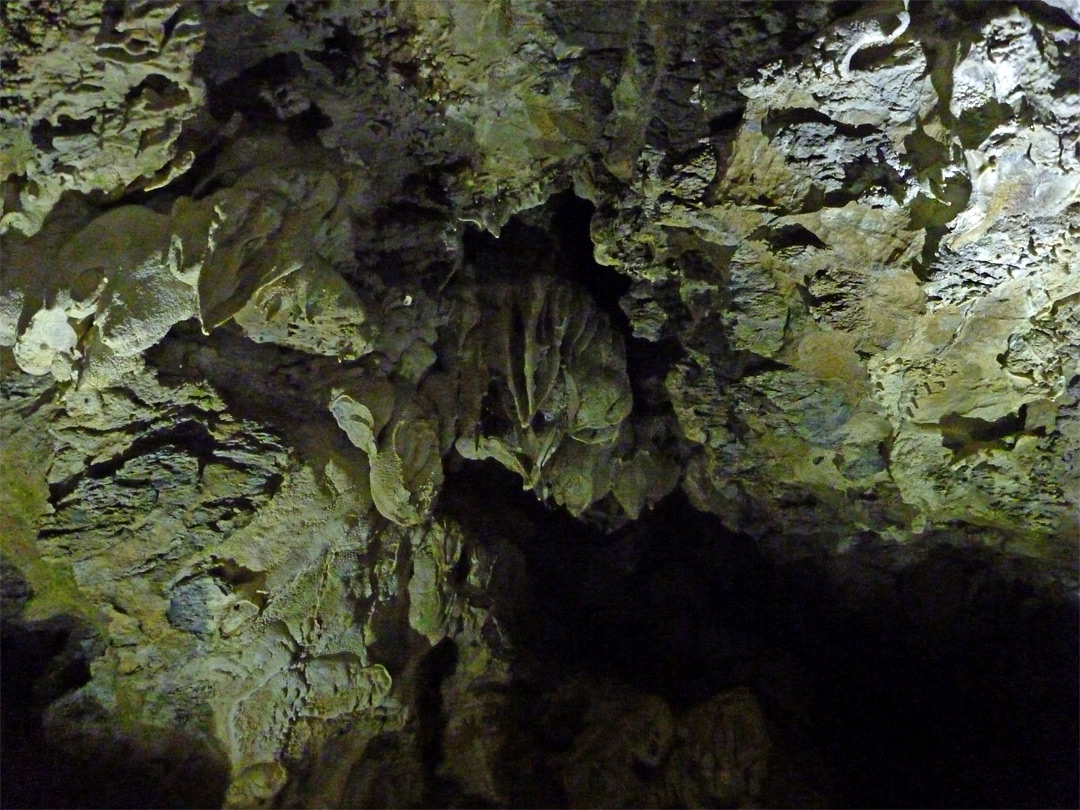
(571, 217)
(553, 238)
(436, 665)
(954, 686)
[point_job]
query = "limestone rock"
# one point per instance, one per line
(114, 133)
(863, 263)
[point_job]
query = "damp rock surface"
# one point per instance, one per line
(539, 403)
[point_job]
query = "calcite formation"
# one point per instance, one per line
(95, 98)
(848, 292)
(274, 272)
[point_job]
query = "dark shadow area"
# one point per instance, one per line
(437, 665)
(951, 682)
(957, 687)
(571, 221)
(550, 239)
(42, 662)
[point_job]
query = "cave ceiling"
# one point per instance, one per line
(284, 284)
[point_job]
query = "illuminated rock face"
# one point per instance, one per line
(255, 324)
(96, 95)
(861, 267)
(847, 292)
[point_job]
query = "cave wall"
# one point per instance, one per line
(284, 283)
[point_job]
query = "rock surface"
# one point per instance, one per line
(287, 286)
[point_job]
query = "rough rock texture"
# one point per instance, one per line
(856, 271)
(291, 292)
(95, 97)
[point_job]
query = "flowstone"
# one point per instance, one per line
(558, 388)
